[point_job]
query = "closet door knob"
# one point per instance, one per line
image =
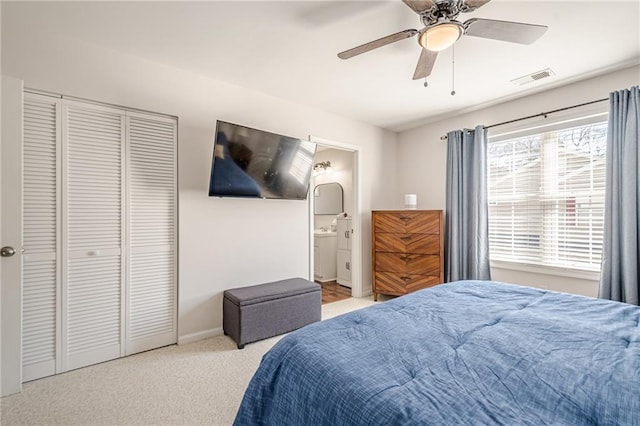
(7, 251)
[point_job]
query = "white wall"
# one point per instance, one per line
(223, 243)
(422, 156)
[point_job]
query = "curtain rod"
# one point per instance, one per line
(542, 114)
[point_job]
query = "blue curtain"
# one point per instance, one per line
(620, 263)
(466, 223)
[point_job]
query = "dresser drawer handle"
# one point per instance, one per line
(405, 279)
(405, 238)
(405, 218)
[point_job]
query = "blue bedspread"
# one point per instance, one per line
(462, 353)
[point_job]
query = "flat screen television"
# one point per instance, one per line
(253, 163)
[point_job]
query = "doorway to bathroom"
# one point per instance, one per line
(334, 213)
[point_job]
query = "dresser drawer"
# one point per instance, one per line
(407, 243)
(407, 222)
(392, 283)
(420, 264)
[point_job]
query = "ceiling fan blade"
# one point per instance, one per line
(515, 32)
(419, 6)
(425, 64)
(471, 5)
(377, 43)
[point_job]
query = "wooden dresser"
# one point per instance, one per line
(408, 250)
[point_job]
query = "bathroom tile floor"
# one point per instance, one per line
(334, 292)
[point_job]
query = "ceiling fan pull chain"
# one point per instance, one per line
(453, 70)
(425, 84)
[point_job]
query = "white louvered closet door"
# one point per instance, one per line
(99, 234)
(41, 212)
(93, 206)
(151, 313)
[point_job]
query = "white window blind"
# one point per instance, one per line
(546, 196)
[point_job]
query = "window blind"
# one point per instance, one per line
(546, 196)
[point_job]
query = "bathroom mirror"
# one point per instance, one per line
(327, 198)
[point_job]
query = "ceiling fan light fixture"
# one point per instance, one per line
(440, 36)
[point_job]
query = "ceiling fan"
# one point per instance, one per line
(442, 29)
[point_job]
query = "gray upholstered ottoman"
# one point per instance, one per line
(266, 310)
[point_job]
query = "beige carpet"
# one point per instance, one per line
(195, 384)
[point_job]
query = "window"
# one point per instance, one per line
(546, 196)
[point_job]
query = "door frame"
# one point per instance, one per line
(11, 233)
(356, 245)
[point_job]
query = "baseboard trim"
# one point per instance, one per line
(194, 337)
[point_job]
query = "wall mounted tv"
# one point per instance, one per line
(258, 164)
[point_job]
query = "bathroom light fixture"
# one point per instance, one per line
(441, 35)
(322, 168)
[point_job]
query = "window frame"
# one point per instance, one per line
(584, 115)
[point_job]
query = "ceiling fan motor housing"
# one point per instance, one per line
(443, 10)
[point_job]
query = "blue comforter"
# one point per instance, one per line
(468, 352)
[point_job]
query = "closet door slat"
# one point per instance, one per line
(94, 208)
(40, 235)
(152, 232)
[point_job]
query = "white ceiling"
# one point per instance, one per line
(288, 49)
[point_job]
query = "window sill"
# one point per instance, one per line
(546, 270)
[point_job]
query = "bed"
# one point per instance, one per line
(468, 352)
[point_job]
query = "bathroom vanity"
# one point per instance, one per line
(324, 255)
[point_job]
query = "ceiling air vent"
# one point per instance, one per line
(538, 75)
